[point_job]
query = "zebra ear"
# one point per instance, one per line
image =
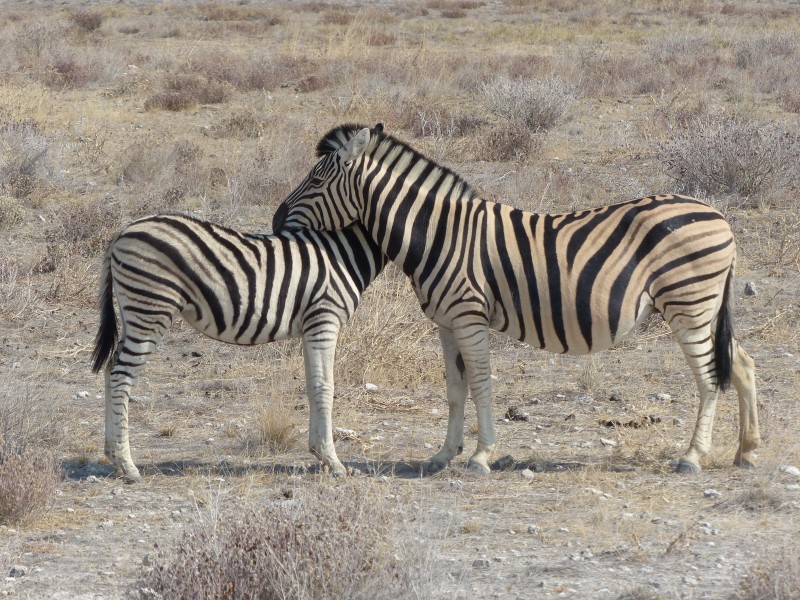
(355, 147)
(378, 128)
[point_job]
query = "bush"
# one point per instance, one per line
(87, 20)
(28, 483)
(331, 543)
(185, 91)
(537, 104)
(732, 155)
(23, 157)
(776, 577)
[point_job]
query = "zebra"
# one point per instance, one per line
(234, 287)
(573, 283)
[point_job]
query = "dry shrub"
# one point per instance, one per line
(87, 20)
(28, 475)
(186, 91)
(532, 103)
(776, 577)
(240, 12)
(23, 158)
(732, 155)
(381, 38)
(67, 72)
(332, 542)
(10, 213)
(244, 123)
(509, 142)
(338, 16)
(755, 51)
(28, 483)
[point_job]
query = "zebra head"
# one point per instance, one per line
(326, 198)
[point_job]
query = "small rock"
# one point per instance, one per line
(370, 387)
(210, 441)
(615, 398)
(480, 563)
(663, 397)
(793, 487)
(70, 509)
(18, 571)
(499, 559)
(83, 394)
(92, 479)
(534, 529)
(609, 443)
(146, 560)
(790, 470)
(711, 493)
(514, 414)
(689, 580)
(340, 433)
(750, 289)
(527, 474)
(456, 484)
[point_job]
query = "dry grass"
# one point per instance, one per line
(238, 95)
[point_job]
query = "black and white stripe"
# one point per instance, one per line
(573, 283)
(234, 287)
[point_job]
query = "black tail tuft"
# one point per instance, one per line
(107, 335)
(723, 340)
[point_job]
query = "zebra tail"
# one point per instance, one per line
(723, 340)
(107, 335)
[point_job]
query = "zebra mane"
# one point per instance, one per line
(337, 137)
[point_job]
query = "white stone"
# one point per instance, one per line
(790, 470)
(609, 443)
(370, 387)
(528, 474)
(711, 493)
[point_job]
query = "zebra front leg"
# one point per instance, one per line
(456, 379)
(119, 383)
(744, 381)
(319, 353)
(473, 343)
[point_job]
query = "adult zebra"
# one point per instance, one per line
(234, 287)
(573, 283)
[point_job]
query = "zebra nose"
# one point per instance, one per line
(279, 218)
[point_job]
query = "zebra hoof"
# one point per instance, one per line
(132, 478)
(431, 468)
(478, 469)
(687, 468)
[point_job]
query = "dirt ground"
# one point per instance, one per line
(589, 505)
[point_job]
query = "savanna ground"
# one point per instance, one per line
(109, 111)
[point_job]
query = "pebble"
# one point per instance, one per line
(711, 493)
(456, 484)
(528, 474)
(793, 487)
(615, 398)
(83, 394)
(92, 479)
(663, 397)
(534, 529)
(370, 387)
(750, 289)
(609, 443)
(790, 470)
(481, 563)
(689, 580)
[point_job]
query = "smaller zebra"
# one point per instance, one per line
(235, 287)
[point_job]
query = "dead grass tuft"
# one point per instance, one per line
(273, 429)
(23, 158)
(186, 91)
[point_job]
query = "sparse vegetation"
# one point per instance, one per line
(330, 542)
(776, 577)
(215, 108)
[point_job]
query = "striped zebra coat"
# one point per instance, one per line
(573, 283)
(234, 287)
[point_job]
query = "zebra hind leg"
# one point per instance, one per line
(121, 376)
(744, 381)
(698, 349)
(456, 378)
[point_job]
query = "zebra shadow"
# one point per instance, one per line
(402, 469)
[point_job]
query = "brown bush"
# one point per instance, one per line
(87, 20)
(23, 158)
(185, 91)
(509, 142)
(535, 104)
